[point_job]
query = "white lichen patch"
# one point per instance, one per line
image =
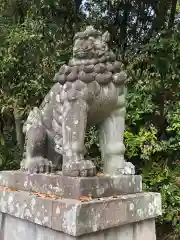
(69, 220)
(58, 98)
(140, 212)
(158, 205)
(37, 221)
(3, 182)
(151, 209)
(133, 180)
(94, 220)
(30, 184)
(3, 205)
(131, 206)
(18, 211)
(10, 199)
(25, 183)
(68, 128)
(100, 191)
(33, 203)
(27, 213)
(45, 220)
(58, 210)
(51, 93)
(11, 208)
(76, 122)
(140, 186)
(69, 153)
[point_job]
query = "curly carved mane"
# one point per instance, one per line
(92, 61)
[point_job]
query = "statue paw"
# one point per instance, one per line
(87, 168)
(129, 169)
(37, 165)
(84, 168)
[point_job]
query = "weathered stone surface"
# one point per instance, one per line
(1, 219)
(78, 218)
(55, 131)
(49, 234)
(17, 229)
(23, 205)
(103, 186)
(109, 213)
(145, 230)
(1, 224)
(123, 233)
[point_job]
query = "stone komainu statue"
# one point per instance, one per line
(90, 90)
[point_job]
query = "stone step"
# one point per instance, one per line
(77, 218)
(72, 187)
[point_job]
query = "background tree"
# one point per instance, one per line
(36, 38)
(131, 23)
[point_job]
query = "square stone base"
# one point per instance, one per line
(32, 208)
(72, 187)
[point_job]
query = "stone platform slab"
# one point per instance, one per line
(77, 218)
(72, 187)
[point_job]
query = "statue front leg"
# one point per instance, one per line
(73, 129)
(36, 151)
(111, 141)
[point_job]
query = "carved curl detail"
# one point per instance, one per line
(103, 73)
(92, 61)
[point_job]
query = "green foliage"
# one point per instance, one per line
(36, 39)
(131, 23)
(28, 60)
(153, 135)
(161, 178)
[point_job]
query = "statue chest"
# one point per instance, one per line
(104, 103)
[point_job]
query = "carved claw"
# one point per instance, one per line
(37, 165)
(129, 169)
(87, 168)
(83, 168)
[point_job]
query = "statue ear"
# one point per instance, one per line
(106, 37)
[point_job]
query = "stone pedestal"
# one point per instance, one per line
(54, 207)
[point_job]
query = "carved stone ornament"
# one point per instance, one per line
(89, 91)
